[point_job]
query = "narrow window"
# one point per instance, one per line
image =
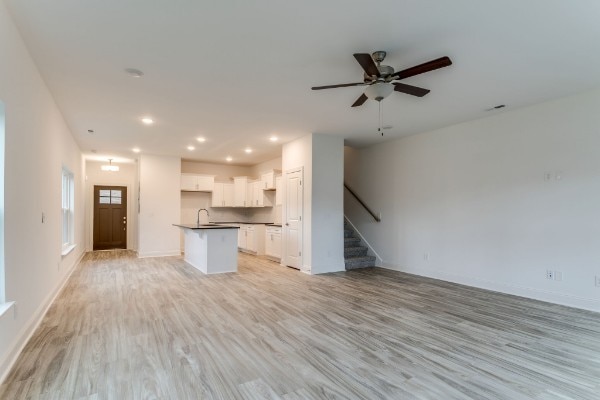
(67, 211)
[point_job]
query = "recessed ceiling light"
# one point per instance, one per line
(190, 148)
(248, 150)
(147, 120)
(136, 150)
(229, 159)
(134, 73)
(273, 138)
(201, 139)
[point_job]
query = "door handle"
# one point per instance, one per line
(286, 224)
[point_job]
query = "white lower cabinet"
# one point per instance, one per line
(273, 242)
(251, 238)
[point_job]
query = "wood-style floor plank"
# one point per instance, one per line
(128, 328)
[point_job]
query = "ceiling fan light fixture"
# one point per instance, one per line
(379, 91)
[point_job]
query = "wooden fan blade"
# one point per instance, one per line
(359, 102)
(336, 86)
(366, 62)
(408, 89)
(422, 68)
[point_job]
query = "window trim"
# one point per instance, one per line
(67, 211)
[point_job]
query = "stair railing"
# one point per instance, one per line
(362, 203)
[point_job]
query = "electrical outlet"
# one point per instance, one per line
(558, 175)
(549, 274)
(597, 280)
(558, 276)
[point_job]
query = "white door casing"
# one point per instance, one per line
(293, 218)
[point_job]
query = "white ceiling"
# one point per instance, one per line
(238, 71)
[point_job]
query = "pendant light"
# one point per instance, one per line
(109, 167)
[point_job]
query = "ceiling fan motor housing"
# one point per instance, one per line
(384, 71)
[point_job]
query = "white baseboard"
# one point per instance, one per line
(169, 253)
(517, 290)
(31, 326)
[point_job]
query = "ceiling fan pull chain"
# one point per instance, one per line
(379, 129)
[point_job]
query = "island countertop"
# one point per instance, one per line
(206, 226)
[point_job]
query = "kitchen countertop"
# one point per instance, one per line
(245, 223)
(208, 226)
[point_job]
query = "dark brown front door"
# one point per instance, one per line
(110, 217)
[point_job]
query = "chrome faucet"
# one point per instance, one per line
(207, 215)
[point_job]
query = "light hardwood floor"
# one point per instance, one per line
(127, 328)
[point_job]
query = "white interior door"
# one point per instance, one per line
(293, 222)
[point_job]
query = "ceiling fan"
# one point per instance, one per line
(380, 79)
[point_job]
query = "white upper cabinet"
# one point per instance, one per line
(240, 191)
(197, 183)
(268, 179)
(257, 196)
(222, 195)
(228, 194)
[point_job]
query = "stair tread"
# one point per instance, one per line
(361, 258)
(355, 256)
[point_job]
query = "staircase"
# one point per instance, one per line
(355, 254)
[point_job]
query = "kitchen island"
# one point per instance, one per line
(211, 248)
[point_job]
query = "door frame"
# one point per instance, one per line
(131, 214)
(125, 209)
(284, 258)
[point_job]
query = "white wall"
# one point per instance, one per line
(160, 205)
(222, 172)
(126, 176)
(322, 158)
(258, 169)
(494, 203)
(38, 144)
(327, 204)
